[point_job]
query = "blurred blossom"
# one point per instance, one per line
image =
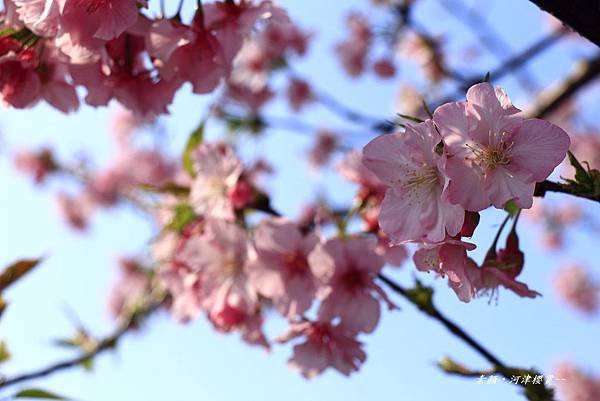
(576, 384)
(384, 68)
(354, 50)
(38, 164)
(123, 123)
(409, 102)
(129, 289)
(576, 287)
(326, 143)
(299, 94)
(424, 51)
(75, 210)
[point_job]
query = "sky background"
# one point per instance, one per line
(192, 362)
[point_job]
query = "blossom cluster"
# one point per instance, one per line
(217, 263)
(116, 50)
(441, 172)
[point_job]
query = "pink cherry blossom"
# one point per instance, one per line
(41, 16)
(493, 155)
(217, 172)
(450, 259)
(394, 255)
(37, 164)
(299, 94)
(124, 75)
(414, 206)
(281, 37)
(351, 167)
(354, 50)
(325, 345)
(252, 98)
(218, 256)
(576, 287)
(324, 145)
(575, 384)
(188, 53)
(129, 289)
(75, 210)
(19, 84)
(346, 269)
(279, 269)
(384, 68)
(232, 22)
(93, 22)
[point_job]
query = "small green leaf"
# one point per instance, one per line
(581, 175)
(193, 142)
(169, 188)
(411, 118)
(37, 393)
(184, 214)
(88, 364)
(15, 271)
(486, 78)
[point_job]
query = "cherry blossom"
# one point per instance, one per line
(414, 206)
(576, 384)
(575, 286)
(217, 171)
(326, 345)
(280, 269)
(492, 155)
(346, 270)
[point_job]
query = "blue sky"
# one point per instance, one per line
(171, 361)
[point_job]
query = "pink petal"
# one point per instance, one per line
(539, 147)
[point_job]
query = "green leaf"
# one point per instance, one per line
(15, 271)
(486, 78)
(37, 393)
(411, 118)
(581, 174)
(169, 188)
(184, 214)
(194, 140)
(88, 364)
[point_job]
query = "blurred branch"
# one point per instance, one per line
(551, 100)
(421, 297)
(581, 15)
(488, 37)
(99, 347)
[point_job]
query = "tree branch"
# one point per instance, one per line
(581, 15)
(550, 186)
(100, 346)
(549, 101)
(421, 297)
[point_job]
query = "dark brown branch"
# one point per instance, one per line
(581, 15)
(430, 309)
(551, 100)
(550, 186)
(422, 299)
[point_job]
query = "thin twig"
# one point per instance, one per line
(101, 346)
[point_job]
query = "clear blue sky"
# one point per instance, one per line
(170, 361)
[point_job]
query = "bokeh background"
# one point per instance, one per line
(192, 362)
